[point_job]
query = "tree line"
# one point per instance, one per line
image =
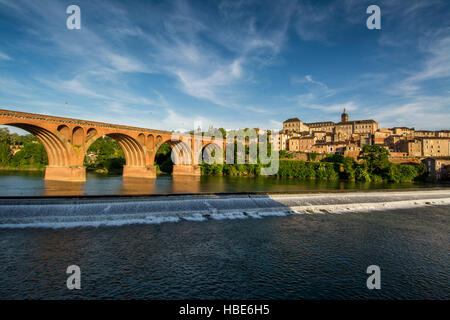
(105, 155)
(32, 153)
(373, 165)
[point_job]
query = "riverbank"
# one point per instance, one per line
(93, 212)
(21, 169)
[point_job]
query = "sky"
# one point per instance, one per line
(177, 65)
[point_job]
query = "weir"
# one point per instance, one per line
(67, 212)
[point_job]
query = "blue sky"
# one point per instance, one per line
(174, 64)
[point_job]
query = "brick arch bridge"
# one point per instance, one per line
(67, 140)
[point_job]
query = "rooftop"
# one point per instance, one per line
(292, 120)
(357, 122)
(323, 123)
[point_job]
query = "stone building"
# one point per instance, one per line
(279, 141)
(345, 129)
(321, 126)
(381, 135)
(438, 167)
(350, 136)
(329, 137)
(412, 147)
(302, 144)
(294, 125)
(443, 133)
(403, 131)
(432, 146)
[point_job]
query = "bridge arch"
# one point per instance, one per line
(133, 150)
(141, 139)
(181, 152)
(78, 136)
(64, 131)
(209, 153)
(91, 133)
(150, 143)
(57, 153)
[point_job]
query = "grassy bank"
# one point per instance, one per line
(22, 168)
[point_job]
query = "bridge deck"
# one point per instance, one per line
(27, 115)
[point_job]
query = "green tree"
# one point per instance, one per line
(163, 158)
(376, 160)
(285, 155)
(361, 173)
(5, 154)
(109, 156)
(348, 168)
(224, 132)
(334, 158)
(31, 155)
(4, 135)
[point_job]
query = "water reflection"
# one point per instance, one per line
(63, 188)
(186, 184)
(32, 184)
(137, 186)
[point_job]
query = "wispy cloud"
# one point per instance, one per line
(4, 56)
(126, 64)
(424, 112)
(435, 66)
(317, 91)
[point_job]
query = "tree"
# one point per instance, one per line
(28, 138)
(110, 157)
(4, 135)
(163, 158)
(224, 132)
(361, 174)
(285, 155)
(376, 159)
(5, 154)
(31, 155)
(348, 165)
(335, 158)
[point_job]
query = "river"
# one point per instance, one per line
(307, 256)
(31, 183)
(125, 251)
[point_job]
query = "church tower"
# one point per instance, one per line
(344, 116)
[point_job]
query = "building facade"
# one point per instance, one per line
(348, 137)
(438, 168)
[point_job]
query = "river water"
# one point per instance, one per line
(31, 183)
(309, 256)
(323, 255)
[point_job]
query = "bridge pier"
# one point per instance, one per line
(148, 172)
(186, 170)
(65, 173)
(78, 173)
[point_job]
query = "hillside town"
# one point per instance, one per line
(348, 137)
(297, 140)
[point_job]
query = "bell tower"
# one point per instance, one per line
(344, 116)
